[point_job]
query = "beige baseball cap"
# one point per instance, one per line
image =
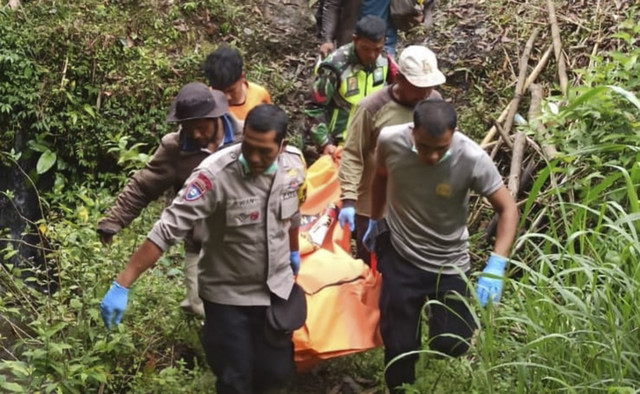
(419, 66)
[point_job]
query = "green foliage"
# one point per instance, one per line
(94, 71)
(64, 346)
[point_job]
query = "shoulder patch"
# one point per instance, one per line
(198, 187)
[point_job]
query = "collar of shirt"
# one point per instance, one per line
(188, 145)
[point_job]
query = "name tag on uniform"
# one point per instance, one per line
(378, 76)
(287, 194)
(352, 86)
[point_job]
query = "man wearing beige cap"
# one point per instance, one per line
(205, 125)
(417, 77)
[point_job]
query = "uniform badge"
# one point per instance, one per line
(198, 187)
(292, 173)
(352, 86)
(443, 190)
(252, 217)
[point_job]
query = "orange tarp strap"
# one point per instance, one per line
(342, 292)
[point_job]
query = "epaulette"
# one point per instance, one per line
(221, 159)
(295, 151)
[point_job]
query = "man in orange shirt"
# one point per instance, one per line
(223, 69)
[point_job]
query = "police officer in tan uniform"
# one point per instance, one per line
(248, 197)
(205, 126)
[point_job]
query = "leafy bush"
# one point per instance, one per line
(63, 345)
(95, 72)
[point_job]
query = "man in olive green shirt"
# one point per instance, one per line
(417, 77)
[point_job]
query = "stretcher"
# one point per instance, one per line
(341, 292)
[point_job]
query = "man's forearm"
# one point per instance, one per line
(378, 196)
(129, 203)
(293, 239)
(141, 260)
(506, 230)
(350, 170)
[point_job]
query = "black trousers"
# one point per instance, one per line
(237, 352)
(405, 289)
(362, 222)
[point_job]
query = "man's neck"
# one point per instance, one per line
(243, 99)
(397, 96)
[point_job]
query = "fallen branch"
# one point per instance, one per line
(532, 77)
(522, 76)
(548, 147)
(557, 48)
(516, 163)
(495, 149)
(504, 135)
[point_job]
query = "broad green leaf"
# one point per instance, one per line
(12, 387)
(626, 94)
(46, 161)
(36, 146)
(88, 109)
(593, 92)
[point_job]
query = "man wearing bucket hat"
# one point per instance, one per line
(248, 197)
(205, 126)
(417, 77)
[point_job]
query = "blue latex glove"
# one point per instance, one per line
(490, 286)
(294, 259)
(113, 304)
(347, 215)
(369, 241)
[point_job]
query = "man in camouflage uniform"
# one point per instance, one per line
(344, 78)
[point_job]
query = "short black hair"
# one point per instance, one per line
(435, 117)
(371, 27)
(223, 67)
(266, 117)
